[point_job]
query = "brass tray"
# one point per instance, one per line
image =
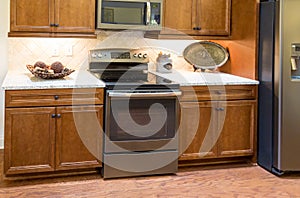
(205, 55)
(46, 75)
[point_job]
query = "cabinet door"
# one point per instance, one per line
(213, 17)
(238, 128)
(31, 15)
(178, 15)
(197, 17)
(75, 16)
(29, 140)
(198, 130)
(79, 137)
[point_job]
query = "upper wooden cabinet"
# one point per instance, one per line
(51, 17)
(197, 17)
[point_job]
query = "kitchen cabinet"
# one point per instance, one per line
(52, 130)
(209, 18)
(52, 18)
(223, 128)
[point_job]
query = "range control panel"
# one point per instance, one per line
(118, 55)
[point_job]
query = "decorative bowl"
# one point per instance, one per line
(45, 74)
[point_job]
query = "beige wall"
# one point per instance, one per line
(4, 17)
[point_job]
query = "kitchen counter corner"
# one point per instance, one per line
(188, 78)
(24, 80)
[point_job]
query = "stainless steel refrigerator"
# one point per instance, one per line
(279, 89)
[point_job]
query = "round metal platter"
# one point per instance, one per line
(206, 55)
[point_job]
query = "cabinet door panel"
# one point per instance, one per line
(75, 15)
(31, 15)
(197, 17)
(178, 15)
(237, 138)
(79, 137)
(197, 129)
(213, 16)
(29, 140)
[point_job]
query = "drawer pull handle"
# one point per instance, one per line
(220, 109)
(58, 116)
(56, 97)
(219, 92)
(53, 115)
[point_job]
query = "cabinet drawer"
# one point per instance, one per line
(53, 97)
(215, 92)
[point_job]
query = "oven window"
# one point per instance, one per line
(134, 122)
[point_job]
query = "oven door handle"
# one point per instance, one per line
(143, 95)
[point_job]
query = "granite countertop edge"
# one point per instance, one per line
(188, 78)
(18, 80)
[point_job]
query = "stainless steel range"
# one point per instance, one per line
(141, 115)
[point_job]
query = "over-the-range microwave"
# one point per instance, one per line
(130, 14)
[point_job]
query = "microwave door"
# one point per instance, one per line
(124, 13)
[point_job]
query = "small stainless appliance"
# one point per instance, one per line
(130, 14)
(141, 115)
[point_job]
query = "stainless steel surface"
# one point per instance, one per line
(146, 155)
(107, 55)
(280, 89)
(148, 13)
(141, 116)
(128, 20)
(147, 94)
(134, 163)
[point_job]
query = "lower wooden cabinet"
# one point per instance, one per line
(54, 138)
(29, 140)
(78, 137)
(218, 129)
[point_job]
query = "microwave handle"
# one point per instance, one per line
(148, 13)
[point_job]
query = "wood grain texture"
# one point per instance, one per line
(235, 180)
(51, 97)
(197, 17)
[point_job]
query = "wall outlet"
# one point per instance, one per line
(69, 50)
(55, 51)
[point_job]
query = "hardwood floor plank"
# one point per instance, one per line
(233, 180)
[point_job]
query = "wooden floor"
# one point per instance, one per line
(214, 181)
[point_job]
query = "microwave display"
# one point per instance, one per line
(130, 14)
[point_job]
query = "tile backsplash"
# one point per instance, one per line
(23, 51)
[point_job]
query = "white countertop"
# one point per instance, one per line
(26, 80)
(83, 79)
(187, 78)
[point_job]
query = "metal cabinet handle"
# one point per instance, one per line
(58, 116)
(56, 97)
(219, 92)
(53, 116)
(220, 109)
(197, 28)
(54, 25)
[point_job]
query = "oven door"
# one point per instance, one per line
(143, 121)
